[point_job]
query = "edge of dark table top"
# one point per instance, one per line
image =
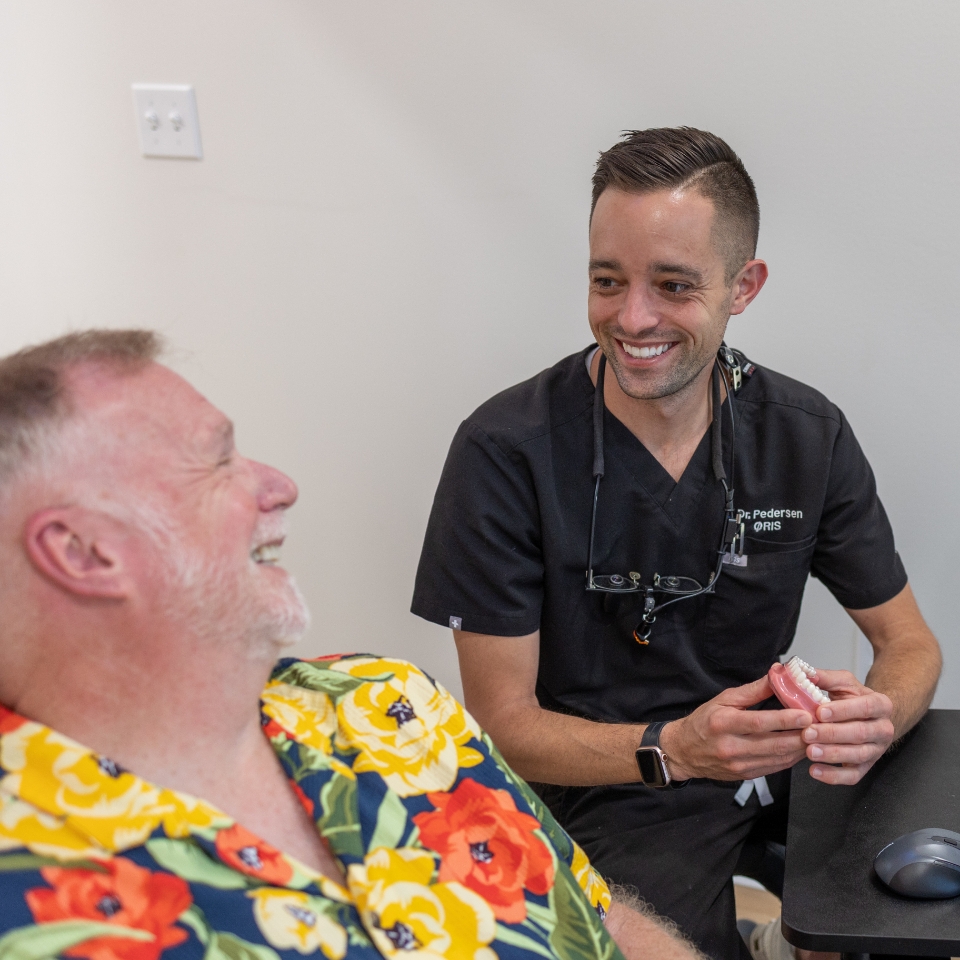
(832, 899)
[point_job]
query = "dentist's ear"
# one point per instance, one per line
(77, 550)
(748, 283)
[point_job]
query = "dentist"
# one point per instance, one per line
(620, 545)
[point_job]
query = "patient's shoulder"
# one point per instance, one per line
(342, 673)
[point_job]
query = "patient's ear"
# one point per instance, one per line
(79, 550)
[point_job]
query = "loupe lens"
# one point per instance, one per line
(677, 585)
(614, 583)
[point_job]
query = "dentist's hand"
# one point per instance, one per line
(723, 740)
(854, 729)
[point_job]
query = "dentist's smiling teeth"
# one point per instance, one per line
(268, 553)
(644, 353)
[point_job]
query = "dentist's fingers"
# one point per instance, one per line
(845, 776)
(856, 754)
(868, 706)
(853, 731)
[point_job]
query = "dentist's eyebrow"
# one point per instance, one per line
(605, 265)
(679, 269)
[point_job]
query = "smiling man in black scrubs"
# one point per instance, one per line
(624, 540)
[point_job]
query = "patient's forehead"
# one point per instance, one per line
(148, 415)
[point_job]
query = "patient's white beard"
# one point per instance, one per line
(222, 607)
(220, 604)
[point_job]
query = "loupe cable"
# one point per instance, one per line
(732, 532)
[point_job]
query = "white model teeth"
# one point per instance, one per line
(801, 671)
(266, 553)
(802, 665)
(645, 353)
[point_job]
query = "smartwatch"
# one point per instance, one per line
(652, 761)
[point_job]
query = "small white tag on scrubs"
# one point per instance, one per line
(747, 787)
(455, 623)
(735, 560)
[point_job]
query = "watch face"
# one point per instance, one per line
(651, 767)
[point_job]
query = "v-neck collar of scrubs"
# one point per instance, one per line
(676, 498)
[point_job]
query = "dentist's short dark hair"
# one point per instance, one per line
(685, 158)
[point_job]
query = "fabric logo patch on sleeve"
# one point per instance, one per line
(455, 623)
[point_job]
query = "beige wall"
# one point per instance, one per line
(389, 226)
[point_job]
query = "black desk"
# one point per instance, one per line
(832, 900)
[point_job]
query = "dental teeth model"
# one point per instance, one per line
(793, 684)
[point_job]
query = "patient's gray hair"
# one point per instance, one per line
(35, 401)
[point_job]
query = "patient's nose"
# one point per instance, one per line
(277, 490)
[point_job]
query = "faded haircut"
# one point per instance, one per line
(35, 400)
(683, 158)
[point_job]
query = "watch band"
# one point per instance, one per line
(651, 739)
(651, 736)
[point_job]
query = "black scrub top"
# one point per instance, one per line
(505, 551)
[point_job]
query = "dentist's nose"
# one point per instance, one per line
(638, 314)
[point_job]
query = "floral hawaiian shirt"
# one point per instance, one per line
(447, 853)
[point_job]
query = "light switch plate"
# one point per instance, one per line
(167, 120)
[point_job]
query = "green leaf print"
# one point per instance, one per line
(32, 861)
(318, 676)
(48, 939)
(581, 934)
(340, 821)
(311, 760)
(193, 918)
(391, 822)
(543, 917)
(187, 861)
(225, 946)
(516, 939)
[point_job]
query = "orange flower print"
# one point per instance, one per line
(126, 895)
(271, 728)
(305, 801)
(489, 846)
(9, 721)
(246, 852)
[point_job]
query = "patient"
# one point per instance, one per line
(349, 805)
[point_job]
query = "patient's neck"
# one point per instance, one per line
(179, 713)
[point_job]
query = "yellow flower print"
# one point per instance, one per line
(405, 914)
(114, 809)
(307, 715)
(24, 826)
(407, 730)
(296, 921)
(591, 883)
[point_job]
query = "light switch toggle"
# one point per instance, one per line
(167, 120)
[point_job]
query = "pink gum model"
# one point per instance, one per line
(789, 693)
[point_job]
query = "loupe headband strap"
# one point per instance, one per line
(716, 442)
(598, 419)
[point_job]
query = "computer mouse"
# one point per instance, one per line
(924, 864)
